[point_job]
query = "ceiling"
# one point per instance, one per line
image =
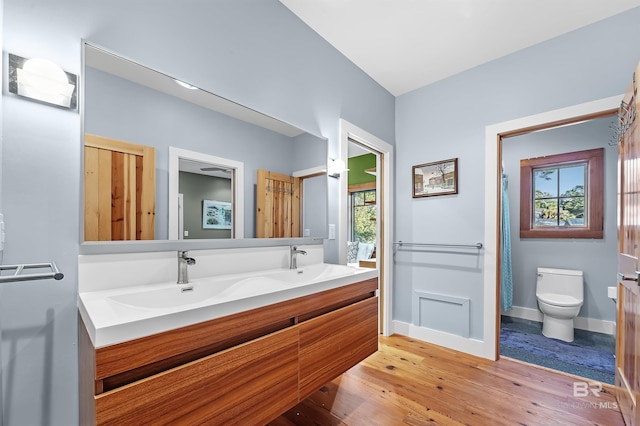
(407, 44)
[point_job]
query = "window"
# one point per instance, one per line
(363, 216)
(561, 196)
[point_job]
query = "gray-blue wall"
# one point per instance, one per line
(255, 52)
(259, 54)
(447, 119)
(195, 189)
(596, 258)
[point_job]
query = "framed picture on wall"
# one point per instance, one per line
(437, 178)
(216, 214)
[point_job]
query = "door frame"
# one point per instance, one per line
(384, 185)
(493, 178)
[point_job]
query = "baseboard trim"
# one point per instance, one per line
(448, 340)
(589, 324)
(477, 347)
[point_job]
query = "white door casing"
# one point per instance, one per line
(385, 229)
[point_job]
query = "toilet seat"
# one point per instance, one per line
(559, 300)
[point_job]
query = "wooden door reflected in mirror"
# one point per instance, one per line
(277, 205)
(119, 190)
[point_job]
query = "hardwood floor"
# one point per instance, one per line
(409, 382)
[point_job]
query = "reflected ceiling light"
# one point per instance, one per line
(185, 85)
(42, 80)
(215, 169)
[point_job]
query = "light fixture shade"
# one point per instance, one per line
(335, 168)
(42, 80)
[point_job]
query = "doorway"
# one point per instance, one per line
(384, 201)
(494, 135)
(562, 190)
(362, 206)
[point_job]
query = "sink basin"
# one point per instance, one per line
(171, 296)
(167, 297)
(125, 313)
(313, 273)
(205, 291)
(252, 286)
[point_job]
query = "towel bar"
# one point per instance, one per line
(18, 276)
(475, 246)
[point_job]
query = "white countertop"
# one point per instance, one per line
(109, 320)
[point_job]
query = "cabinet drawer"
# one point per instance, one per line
(229, 387)
(334, 342)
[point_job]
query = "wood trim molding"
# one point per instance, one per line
(367, 186)
(595, 197)
(110, 144)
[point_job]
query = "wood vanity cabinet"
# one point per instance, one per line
(333, 343)
(246, 368)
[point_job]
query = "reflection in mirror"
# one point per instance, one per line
(126, 101)
(196, 179)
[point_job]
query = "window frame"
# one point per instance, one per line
(594, 194)
(364, 190)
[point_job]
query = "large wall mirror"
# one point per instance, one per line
(207, 152)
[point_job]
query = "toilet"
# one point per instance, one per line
(560, 294)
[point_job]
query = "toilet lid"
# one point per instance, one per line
(559, 299)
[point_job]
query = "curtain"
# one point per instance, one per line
(506, 278)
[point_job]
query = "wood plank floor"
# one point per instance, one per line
(409, 382)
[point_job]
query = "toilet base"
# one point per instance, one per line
(558, 328)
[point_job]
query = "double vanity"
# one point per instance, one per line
(232, 331)
(229, 348)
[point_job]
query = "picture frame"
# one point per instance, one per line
(437, 178)
(216, 214)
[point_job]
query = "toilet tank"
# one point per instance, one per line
(560, 281)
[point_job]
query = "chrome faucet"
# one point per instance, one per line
(293, 258)
(183, 262)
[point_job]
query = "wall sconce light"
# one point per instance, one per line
(43, 81)
(335, 168)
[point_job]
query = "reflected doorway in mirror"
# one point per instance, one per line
(182, 160)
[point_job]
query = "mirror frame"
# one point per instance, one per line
(140, 246)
